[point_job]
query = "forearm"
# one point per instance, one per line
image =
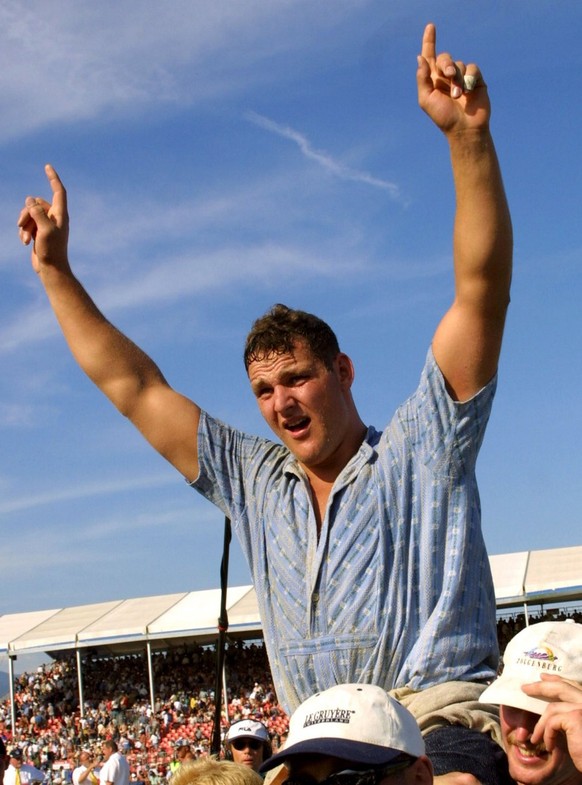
(114, 363)
(468, 339)
(83, 776)
(483, 240)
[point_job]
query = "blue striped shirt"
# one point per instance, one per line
(396, 590)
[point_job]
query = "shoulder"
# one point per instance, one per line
(432, 398)
(210, 427)
(230, 451)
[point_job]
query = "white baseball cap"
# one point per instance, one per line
(247, 729)
(359, 723)
(548, 647)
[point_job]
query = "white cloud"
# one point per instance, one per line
(324, 159)
(30, 326)
(88, 490)
(66, 60)
(121, 231)
(184, 276)
(16, 415)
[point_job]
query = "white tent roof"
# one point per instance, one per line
(508, 572)
(13, 625)
(537, 576)
(559, 574)
(129, 619)
(122, 626)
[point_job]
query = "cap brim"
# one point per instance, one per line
(507, 692)
(254, 737)
(353, 751)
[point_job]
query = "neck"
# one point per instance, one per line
(327, 473)
(322, 478)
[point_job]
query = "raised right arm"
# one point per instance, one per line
(121, 370)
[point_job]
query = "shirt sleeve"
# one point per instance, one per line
(229, 460)
(445, 434)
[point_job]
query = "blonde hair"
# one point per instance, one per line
(208, 771)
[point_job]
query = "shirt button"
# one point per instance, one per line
(315, 597)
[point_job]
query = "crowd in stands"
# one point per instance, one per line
(509, 625)
(51, 732)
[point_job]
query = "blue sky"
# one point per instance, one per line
(223, 155)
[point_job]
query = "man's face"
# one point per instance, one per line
(529, 764)
(16, 762)
(249, 752)
(106, 752)
(317, 766)
(320, 767)
(305, 404)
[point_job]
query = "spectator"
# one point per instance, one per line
(358, 730)
(19, 773)
(183, 753)
(248, 743)
(86, 772)
(562, 719)
(214, 772)
(540, 697)
(115, 769)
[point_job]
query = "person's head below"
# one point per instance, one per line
(108, 748)
(247, 742)
(85, 758)
(208, 771)
(353, 734)
(183, 751)
(553, 648)
(302, 383)
(15, 758)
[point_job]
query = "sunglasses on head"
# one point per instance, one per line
(352, 777)
(243, 744)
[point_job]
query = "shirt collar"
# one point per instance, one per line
(367, 453)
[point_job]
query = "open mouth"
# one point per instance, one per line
(539, 751)
(297, 425)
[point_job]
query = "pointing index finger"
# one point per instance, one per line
(59, 205)
(429, 42)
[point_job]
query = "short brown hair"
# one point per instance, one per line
(281, 327)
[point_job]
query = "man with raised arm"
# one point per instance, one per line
(365, 546)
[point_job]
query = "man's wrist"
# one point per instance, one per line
(470, 140)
